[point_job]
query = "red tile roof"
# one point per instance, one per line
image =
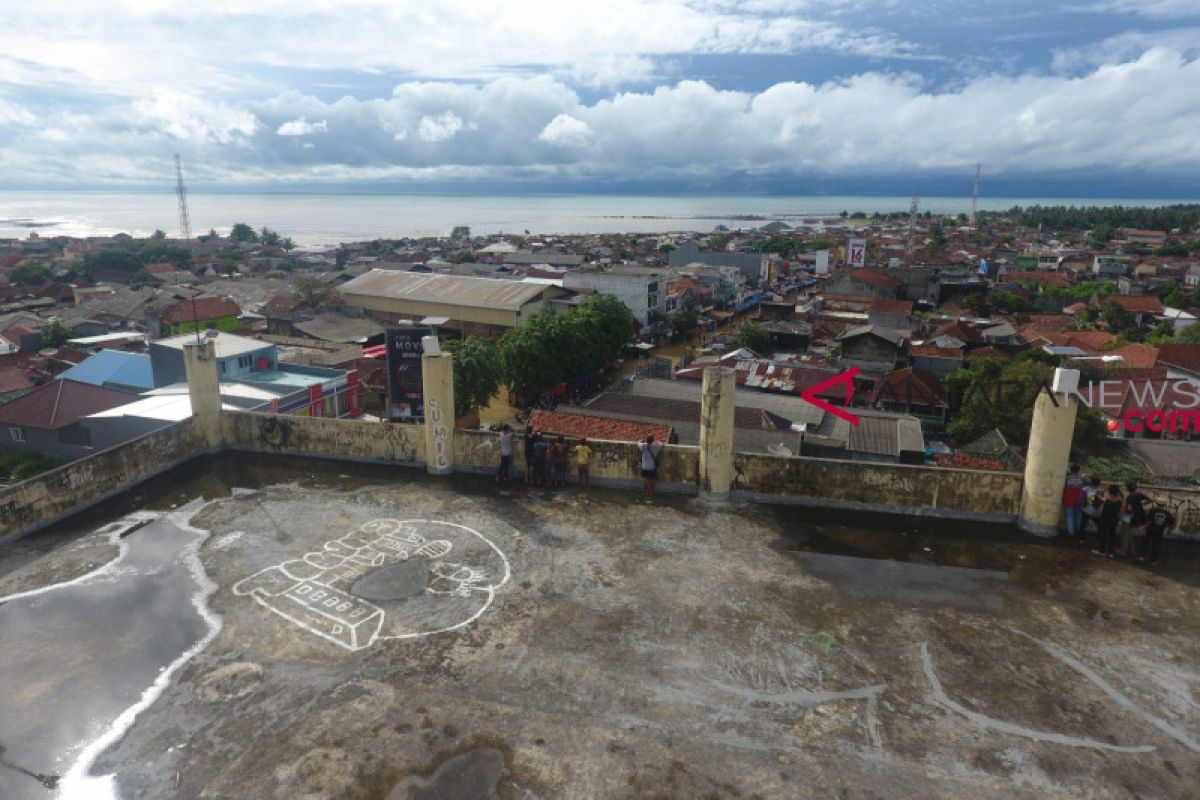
(1180, 356)
(1141, 304)
(911, 385)
(1137, 356)
(959, 330)
(603, 428)
(206, 308)
(929, 351)
(988, 352)
(14, 379)
(61, 403)
(1043, 278)
(891, 306)
(874, 278)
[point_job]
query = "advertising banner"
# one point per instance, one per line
(315, 404)
(405, 392)
(856, 256)
(352, 399)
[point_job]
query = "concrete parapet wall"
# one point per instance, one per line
(324, 437)
(613, 463)
(54, 495)
(886, 487)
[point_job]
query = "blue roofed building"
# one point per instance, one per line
(115, 369)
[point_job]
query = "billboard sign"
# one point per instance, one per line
(406, 397)
(856, 255)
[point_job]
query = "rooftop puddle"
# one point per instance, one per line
(89, 653)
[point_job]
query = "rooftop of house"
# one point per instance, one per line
(445, 289)
(227, 344)
(578, 426)
(60, 403)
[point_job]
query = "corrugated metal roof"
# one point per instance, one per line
(452, 290)
(60, 403)
(114, 367)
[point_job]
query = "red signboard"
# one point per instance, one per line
(352, 390)
(315, 403)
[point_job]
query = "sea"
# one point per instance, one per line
(323, 220)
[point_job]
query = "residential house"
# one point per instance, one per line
(1191, 278)
(912, 391)
(200, 313)
(115, 369)
(1144, 309)
(862, 283)
(1137, 236)
(45, 420)
(1109, 267)
(894, 314)
(937, 361)
(643, 290)
(753, 266)
(871, 347)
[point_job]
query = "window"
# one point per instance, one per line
(245, 361)
(17, 434)
(652, 301)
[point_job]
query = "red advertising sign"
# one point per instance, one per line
(352, 389)
(315, 403)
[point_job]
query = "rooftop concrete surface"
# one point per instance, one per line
(384, 634)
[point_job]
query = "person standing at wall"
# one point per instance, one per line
(541, 458)
(1093, 499)
(583, 462)
(506, 454)
(562, 460)
(1134, 518)
(1110, 514)
(1158, 522)
(650, 452)
(1072, 501)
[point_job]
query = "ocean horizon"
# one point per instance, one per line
(325, 219)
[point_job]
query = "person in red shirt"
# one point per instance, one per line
(1072, 501)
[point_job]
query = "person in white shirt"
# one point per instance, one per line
(650, 452)
(506, 454)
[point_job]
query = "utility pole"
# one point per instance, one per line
(185, 222)
(975, 194)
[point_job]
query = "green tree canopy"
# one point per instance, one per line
(55, 334)
(992, 393)
(30, 273)
(243, 234)
(142, 278)
(476, 373)
(1190, 334)
(684, 322)
(114, 259)
(753, 337)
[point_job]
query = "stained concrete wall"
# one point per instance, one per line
(54, 495)
(324, 437)
(886, 487)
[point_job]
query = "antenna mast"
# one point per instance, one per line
(912, 223)
(185, 222)
(975, 194)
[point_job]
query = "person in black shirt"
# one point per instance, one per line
(1134, 518)
(1158, 521)
(1110, 514)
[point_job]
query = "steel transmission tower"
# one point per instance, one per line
(912, 224)
(185, 222)
(975, 194)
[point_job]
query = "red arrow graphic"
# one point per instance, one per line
(847, 377)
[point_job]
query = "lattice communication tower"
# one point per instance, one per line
(185, 222)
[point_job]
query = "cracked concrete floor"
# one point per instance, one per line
(382, 634)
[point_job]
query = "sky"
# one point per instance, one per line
(1077, 98)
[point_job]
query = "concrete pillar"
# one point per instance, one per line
(1046, 462)
(716, 432)
(204, 388)
(437, 375)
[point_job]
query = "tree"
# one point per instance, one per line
(141, 278)
(992, 393)
(752, 337)
(313, 292)
(937, 240)
(287, 244)
(243, 234)
(269, 237)
(55, 334)
(158, 235)
(29, 274)
(1190, 334)
(208, 237)
(683, 323)
(1115, 317)
(476, 373)
(115, 259)
(459, 233)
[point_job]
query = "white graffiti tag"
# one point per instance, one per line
(384, 580)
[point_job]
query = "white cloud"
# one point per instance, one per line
(14, 114)
(439, 128)
(185, 116)
(1150, 8)
(566, 130)
(301, 127)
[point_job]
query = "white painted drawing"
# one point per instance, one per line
(387, 579)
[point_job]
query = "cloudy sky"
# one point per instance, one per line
(1096, 97)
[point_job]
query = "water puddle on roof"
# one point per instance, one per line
(81, 659)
